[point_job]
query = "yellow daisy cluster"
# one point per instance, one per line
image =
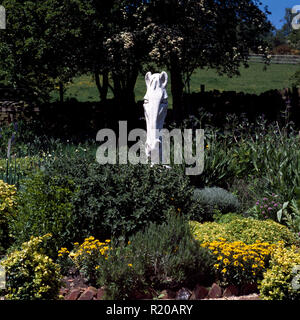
(88, 256)
(7, 196)
(92, 246)
(63, 251)
(239, 260)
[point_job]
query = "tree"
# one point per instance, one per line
(188, 34)
(43, 44)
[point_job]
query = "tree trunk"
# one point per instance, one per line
(103, 89)
(177, 87)
(124, 87)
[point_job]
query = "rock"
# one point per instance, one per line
(214, 292)
(199, 293)
(183, 294)
(74, 294)
(230, 291)
(168, 294)
(100, 293)
(140, 295)
(88, 294)
(248, 288)
(63, 291)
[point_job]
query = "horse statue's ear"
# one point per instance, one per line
(147, 78)
(163, 77)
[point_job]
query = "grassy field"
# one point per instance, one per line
(252, 80)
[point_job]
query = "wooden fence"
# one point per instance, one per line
(279, 59)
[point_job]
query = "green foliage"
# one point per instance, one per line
(216, 199)
(247, 230)
(44, 206)
(161, 256)
(281, 280)
(41, 30)
(266, 157)
(8, 203)
(31, 275)
(118, 200)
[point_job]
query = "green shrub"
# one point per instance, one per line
(44, 206)
(212, 200)
(247, 230)
(8, 203)
(30, 274)
(281, 280)
(162, 256)
(119, 200)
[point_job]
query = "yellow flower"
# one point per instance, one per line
(224, 270)
(130, 265)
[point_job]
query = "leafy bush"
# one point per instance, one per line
(247, 230)
(8, 204)
(31, 275)
(281, 280)
(44, 206)
(215, 199)
(239, 263)
(119, 200)
(161, 256)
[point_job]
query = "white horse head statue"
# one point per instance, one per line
(155, 107)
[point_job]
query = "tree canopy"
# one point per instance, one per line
(52, 41)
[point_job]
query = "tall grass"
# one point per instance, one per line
(264, 154)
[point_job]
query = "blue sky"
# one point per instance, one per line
(277, 8)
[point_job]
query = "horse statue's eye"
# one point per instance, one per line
(146, 101)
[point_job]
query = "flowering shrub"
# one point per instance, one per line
(31, 275)
(7, 208)
(247, 230)
(239, 263)
(87, 256)
(266, 208)
(280, 281)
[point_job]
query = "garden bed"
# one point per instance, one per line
(141, 232)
